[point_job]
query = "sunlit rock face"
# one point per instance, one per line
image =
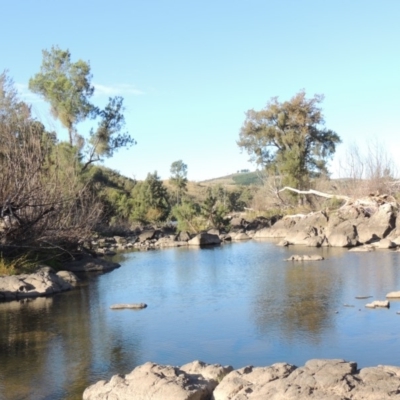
(44, 281)
(334, 379)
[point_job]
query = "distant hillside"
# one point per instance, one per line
(241, 178)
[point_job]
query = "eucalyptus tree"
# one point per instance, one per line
(289, 139)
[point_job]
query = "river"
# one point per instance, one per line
(236, 304)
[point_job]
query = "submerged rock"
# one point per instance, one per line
(90, 264)
(363, 249)
(304, 257)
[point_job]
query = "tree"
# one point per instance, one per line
(289, 139)
(213, 211)
(67, 87)
(187, 215)
(179, 178)
(150, 200)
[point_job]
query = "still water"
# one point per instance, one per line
(236, 304)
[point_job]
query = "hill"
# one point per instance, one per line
(241, 178)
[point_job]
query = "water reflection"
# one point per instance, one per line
(235, 304)
(52, 348)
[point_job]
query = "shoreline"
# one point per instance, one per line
(329, 379)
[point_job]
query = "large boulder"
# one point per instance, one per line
(379, 225)
(204, 239)
(317, 379)
(239, 236)
(242, 383)
(44, 281)
(308, 226)
(147, 235)
(344, 234)
(195, 381)
(280, 229)
(183, 236)
(168, 241)
(69, 277)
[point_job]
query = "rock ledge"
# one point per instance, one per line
(320, 379)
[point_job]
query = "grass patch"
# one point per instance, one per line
(17, 265)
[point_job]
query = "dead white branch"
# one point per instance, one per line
(372, 201)
(317, 193)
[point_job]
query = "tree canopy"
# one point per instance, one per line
(179, 177)
(67, 87)
(289, 138)
(150, 200)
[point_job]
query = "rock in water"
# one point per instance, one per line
(305, 258)
(132, 306)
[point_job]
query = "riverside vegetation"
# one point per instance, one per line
(59, 208)
(54, 198)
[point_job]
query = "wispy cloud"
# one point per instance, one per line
(26, 94)
(117, 89)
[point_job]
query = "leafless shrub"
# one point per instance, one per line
(43, 203)
(370, 171)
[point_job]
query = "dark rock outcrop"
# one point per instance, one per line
(204, 239)
(90, 264)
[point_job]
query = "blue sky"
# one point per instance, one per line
(189, 70)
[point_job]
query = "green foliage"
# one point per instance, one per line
(108, 137)
(188, 217)
(249, 178)
(179, 178)
(66, 86)
(113, 190)
(184, 214)
(214, 211)
(289, 139)
(236, 200)
(150, 201)
(22, 264)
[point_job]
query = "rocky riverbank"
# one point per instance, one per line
(44, 281)
(317, 379)
(363, 225)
